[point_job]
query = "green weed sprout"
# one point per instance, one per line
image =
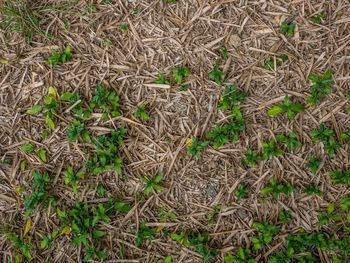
(76, 130)
(313, 164)
(251, 158)
(320, 88)
(124, 27)
(216, 75)
(288, 28)
(283, 258)
(161, 79)
(331, 146)
(152, 182)
(348, 97)
(194, 147)
(226, 133)
(180, 73)
(223, 51)
(241, 192)
(167, 214)
(291, 141)
(59, 57)
(144, 232)
(266, 233)
(106, 100)
(75, 103)
(214, 211)
(230, 97)
(72, 178)
(290, 108)
(22, 244)
(141, 112)
(276, 189)
(310, 190)
(326, 218)
(270, 150)
(270, 64)
(48, 241)
(317, 19)
(40, 194)
(339, 177)
(346, 136)
(285, 216)
(242, 257)
(321, 134)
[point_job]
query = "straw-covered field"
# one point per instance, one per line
(174, 131)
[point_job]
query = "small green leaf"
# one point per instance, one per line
(42, 155)
(97, 233)
(167, 259)
(66, 96)
(35, 109)
(23, 165)
(28, 148)
(50, 122)
(275, 110)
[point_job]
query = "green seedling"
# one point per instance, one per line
(214, 211)
(40, 194)
(321, 134)
(269, 150)
(242, 257)
(223, 51)
(230, 97)
(106, 100)
(266, 233)
(77, 130)
(317, 19)
(290, 108)
(288, 28)
(106, 156)
(152, 182)
(184, 87)
(343, 246)
(173, 1)
(241, 192)
(101, 190)
(48, 241)
(75, 103)
(180, 73)
(236, 112)
(348, 97)
(216, 75)
(143, 233)
(331, 146)
(194, 147)
(310, 190)
(345, 206)
(326, 218)
(72, 178)
(20, 17)
(313, 164)
(285, 216)
(141, 112)
(346, 136)
(226, 133)
(161, 79)
(28, 148)
(49, 110)
(59, 57)
(340, 178)
(82, 220)
(291, 141)
(320, 88)
(22, 244)
(167, 214)
(283, 258)
(276, 189)
(270, 64)
(124, 27)
(251, 158)
(42, 155)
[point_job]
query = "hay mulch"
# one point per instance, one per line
(162, 36)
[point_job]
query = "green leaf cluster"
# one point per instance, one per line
(76, 130)
(230, 97)
(141, 112)
(106, 100)
(288, 28)
(265, 234)
(276, 189)
(152, 182)
(71, 178)
(339, 177)
(320, 88)
(242, 257)
(290, 108)
(66, 55)
(313, 164)
(216, 75)
(196, 146)
(290, 140)
(180, 73)
(241, 192)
